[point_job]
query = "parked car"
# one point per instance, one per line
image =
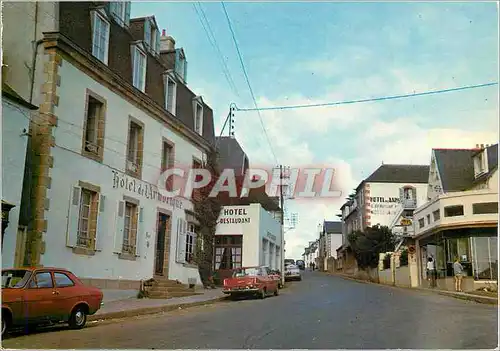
(301, 264)
(292, 272)
(251, 281)
(276, 274)
(46, 295)
(289, 261)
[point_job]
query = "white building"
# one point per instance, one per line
(333, 237)
(16, 113)
(247, 236)
(115, 112)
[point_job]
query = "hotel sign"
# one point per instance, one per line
(150, 192)
(234, 216)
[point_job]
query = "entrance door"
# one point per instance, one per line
(160, 243)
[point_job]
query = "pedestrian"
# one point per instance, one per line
(314, 266)
(431, 272)
(458, 271)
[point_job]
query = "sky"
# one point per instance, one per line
(307, 53)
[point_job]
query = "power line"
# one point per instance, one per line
(346, 102)
(248, 81)
(213, 41)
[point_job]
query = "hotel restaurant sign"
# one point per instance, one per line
(150, 192)
(234, 216)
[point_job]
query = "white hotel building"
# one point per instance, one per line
(115, 110)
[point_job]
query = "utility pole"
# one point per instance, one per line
(282, 228)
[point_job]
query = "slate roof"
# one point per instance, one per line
(231, 155)
(331, 227)
(399, 174)
(10, 93)
(456, 168)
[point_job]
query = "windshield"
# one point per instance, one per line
(14, 278)
(245, 272)
(291, 266)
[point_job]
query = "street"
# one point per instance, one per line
(321, 312)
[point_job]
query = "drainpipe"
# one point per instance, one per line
(36, 44)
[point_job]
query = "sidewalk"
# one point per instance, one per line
(132, 307)
(458, 295)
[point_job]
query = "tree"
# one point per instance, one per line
(207, 210)
(367, 245)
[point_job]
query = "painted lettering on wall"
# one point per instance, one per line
(234, 216)
(385, 199)
(121, 181)
(272, 237)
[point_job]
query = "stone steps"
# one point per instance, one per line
(165, 288)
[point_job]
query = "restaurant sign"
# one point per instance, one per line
(234, 216)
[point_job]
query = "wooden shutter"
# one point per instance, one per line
(139, 238)
(127, 13)
(402, 194)
(177, 61)
(147, 32)
(157, 47)
(101, 224)
(181, 241)
(120, 226)
(185, 70)
(73, 216)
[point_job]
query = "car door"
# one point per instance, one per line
(66, 294)
(266, 279)
(39, 297)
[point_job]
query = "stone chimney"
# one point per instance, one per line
(167, 43)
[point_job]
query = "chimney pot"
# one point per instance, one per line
(477, 146)
(482, 146)
(163, 32)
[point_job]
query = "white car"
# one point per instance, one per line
(292, 272)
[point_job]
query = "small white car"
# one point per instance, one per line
(292, 272)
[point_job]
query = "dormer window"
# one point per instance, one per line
(151, 35)
(198, 115)
(139, 67)
(180, 64)
(480, 163)
(100, 35)
(170, 93)
(120, 10)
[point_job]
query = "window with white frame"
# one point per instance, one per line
(180, 64)
(100, 36)
(151, 35)
(139, 72)
(480, 164)
(190, 242)
(198, 118)
(87, 218)
(120, 11)
(170, 94)
(130, 228)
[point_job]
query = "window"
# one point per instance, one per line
(87, 218)
(458, 247)
(428, 219)
(139, 69)
(190, 242)
(170, 95)
(180, 64)
(485, 258)
(198, 118)
(454, 211)
(228, 251)
(94, 128)
(151, 35)
(437, 215)
(135, 145)
(120, 11)
(167, 157)
(480, 164)
(130, 229)
(100, 36)
(485, 208)
(196, 194)
(421, 223)
(62, 280)
(42, 280)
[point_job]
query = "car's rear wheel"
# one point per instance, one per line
(78, 318)
(263, 294)
(277, 291)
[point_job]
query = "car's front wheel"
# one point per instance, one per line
(78, 318)
(5, 324)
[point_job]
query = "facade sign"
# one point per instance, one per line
(270, 236)
(121, 181)
(234, 216)
(406, 222)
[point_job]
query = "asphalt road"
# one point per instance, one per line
(320, 312)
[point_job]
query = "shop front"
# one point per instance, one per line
(246, 236)
(476, 248)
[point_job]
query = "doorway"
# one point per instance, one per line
(161, 235)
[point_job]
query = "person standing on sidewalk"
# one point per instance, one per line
(458, 271)
(431, 272)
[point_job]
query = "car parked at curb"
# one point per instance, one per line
(251, 281)
(34, 296)
(292, 272)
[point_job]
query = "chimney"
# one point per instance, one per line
(477, 146)
(482, 146)
(167, 43)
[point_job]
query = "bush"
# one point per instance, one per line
(368, 245)
(403, 258)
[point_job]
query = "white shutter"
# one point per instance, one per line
(73, 216)
(185, 70)
(181, 241)
(101, 224)
(120, 224)
(401, 193)
(139, 242)
(157, 42)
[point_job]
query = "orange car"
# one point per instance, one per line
(33, 296)
(251, 281)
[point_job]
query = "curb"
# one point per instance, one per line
(469, 297)
(151, 310)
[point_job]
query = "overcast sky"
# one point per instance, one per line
(299, 53)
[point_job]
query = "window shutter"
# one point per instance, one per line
(181, 241)
(157, 43)
(401, 194)
(120, 224)
(147, 32)
(140, 233)
(177, 61)
(101, 224)
(73, 216)
(185, 70)
(127, 13)
(110, 7)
